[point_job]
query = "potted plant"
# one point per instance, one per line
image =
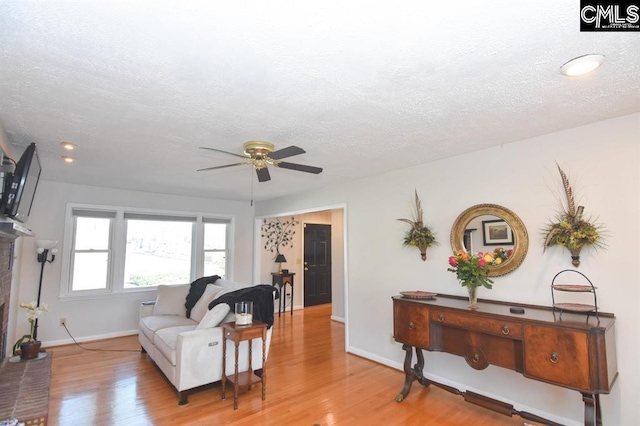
(28, 345)
(419, 235)
(472, 271)
(572, 230)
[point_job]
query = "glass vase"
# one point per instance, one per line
(473, 297)
(244, 313)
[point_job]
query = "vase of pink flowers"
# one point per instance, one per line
(472, 271)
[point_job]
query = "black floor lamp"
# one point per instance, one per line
(45, 247)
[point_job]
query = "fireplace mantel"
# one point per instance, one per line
(11, 229)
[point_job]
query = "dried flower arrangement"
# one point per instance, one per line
(572, 230)
(419, 235)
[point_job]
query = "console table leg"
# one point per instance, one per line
(417, 369)
(224, 365)
(411, 374)
(236, 385)
(592, 412)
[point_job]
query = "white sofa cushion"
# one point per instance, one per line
(230, 285)
(214, 317)
(170, 300)
(166, 339)
(150, 325)
(201, 307)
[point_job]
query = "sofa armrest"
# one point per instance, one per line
(198, 357)
(146, 308)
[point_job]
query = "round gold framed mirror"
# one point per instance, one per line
(488, 227)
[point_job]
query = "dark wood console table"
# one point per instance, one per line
(281, 280)
(566, 349)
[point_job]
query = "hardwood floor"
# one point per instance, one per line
(311, 381)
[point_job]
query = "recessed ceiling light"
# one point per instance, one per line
(68, 146)
(68, 159)
(581, 65)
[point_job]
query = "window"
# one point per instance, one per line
(91, 244)
(158, 250)
(215, 247)
(119, 250)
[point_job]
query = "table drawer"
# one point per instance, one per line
(411, 324)
(557, 356)
(475, 322)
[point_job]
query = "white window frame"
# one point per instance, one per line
(117, 246)
(203, 251)
(70, 245)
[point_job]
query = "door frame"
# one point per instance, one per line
(258, 252)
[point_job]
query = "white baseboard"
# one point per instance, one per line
(337, 319)
(461, 387)
(52, 343)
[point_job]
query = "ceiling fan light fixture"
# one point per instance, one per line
(261, 155)
(582, 65)
(258, 148)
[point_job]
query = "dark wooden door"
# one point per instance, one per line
(317, 264)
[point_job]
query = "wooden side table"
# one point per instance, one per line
(238, 333)
(281, 280)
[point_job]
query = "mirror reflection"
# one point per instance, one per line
(494, 229)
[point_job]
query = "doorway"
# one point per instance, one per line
(317, 264)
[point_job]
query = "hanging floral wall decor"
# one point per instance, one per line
(572, 230)
(419, 235)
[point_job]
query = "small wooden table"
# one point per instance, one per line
(238, 333)
(281, 280)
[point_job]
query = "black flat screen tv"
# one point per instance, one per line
(20, 186)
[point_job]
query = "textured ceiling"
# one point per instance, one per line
(363, 86)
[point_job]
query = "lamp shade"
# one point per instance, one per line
(280, 258)
(46, 244)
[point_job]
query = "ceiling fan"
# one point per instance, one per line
(260, 154)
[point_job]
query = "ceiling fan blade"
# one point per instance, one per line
(299, 167)
(220, 167)
(263, 174)
(289, 151)
(224, 152)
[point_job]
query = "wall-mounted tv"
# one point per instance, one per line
(20, 186)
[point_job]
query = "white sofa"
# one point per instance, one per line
(189, 350)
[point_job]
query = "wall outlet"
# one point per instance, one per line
(63, 321)
(288, 295)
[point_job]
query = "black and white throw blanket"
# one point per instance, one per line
(261, 295)
(196, 290)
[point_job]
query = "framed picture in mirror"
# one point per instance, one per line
(496, 232)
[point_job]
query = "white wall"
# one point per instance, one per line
(602, 161)
(118, 314)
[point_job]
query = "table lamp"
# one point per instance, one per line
(280, 259)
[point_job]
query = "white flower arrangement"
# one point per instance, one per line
(34, 311)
